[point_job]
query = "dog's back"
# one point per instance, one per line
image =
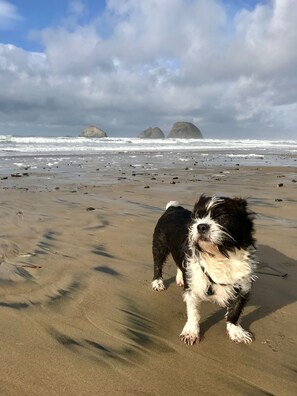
(170, 236)
(172, 228)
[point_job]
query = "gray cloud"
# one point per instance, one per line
(155, 63)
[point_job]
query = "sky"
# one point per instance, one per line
(228, 66)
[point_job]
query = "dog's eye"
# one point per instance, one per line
(221, 219)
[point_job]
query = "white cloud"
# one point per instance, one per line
(156, 62)
(8, 15)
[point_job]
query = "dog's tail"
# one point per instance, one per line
(172, 203)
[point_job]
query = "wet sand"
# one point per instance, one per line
(78, 316)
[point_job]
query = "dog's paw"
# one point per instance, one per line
(158, 285)
(180, 283)
(190, 334)
(237, 334)
(179, 278)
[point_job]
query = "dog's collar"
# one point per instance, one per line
(210, 290)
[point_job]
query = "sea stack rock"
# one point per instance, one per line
(152, 133)
(93, 132)
(184, 130)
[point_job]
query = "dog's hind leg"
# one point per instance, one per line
(160, 253)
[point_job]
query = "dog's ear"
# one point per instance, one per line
(200, 207)
(242, 203)
(244, 207)
(247, 222)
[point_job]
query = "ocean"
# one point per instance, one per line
(40, 152)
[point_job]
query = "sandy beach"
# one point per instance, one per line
(78, 316)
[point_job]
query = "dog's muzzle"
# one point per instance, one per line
(203, 241)
(203, 232)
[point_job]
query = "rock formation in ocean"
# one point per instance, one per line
(184, 130)
(152, 133)
(93, 132)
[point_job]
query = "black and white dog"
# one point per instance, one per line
(214, 250)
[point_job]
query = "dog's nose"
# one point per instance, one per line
(203, 228)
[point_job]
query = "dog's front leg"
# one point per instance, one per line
(234, 330)
(190, 333)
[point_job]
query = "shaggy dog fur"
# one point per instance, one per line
(214, 249)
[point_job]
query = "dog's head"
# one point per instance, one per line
(220, 225)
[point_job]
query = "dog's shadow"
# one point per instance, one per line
(274, 289)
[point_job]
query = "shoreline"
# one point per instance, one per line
(160, 158)
(77, 311)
